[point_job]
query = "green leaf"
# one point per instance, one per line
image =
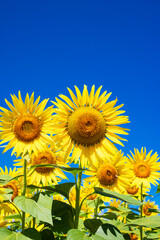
(122, 197)
(14, 216)
(63, 217)
(109, 215)
(108, 231)
(150, 222)
(47, 234)
(6, 234)
(32, 233)
(75, 234)
(158, 189)
(92, 224)
(5, 178)
(72, 170)
(40, 209)
(62, 188)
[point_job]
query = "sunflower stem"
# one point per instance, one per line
(96, 207)
(78, 187)
(141, 213)
(24, 190)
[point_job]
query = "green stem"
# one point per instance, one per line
(24, 190)
(96, 208)
(141, 213)
(78, 187)
(34, 222)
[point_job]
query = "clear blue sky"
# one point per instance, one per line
(46, 46)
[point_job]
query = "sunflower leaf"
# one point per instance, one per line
(62, 188)
(5, 178)
(122, 197)
(28, 234)
(77, 234)
(40, 209)
(150, 222)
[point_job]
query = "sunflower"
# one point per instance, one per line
(26, 125)
(44, 175)
(136, 190)
(6, 209)
(88, 124)
(146, 206)
(113, 173)
(145, 167)
(14, 185)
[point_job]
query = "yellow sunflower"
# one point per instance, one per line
(13, 184)
(145, 167)
(113, 174)
(26, 125)
(136, 190)
(88, 125)
(6, 209)
(45, 175)
(146, 206)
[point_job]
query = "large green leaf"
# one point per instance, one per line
(108, 231)
(150, 222)
(72, 170)
(62, 188)
(40, 209)
(122, 197)
(63, 215)
(28, 234)
(75, 234)
(32, 233)
(92, 224)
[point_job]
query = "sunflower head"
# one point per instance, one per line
(26, 125)
(46, 174)
(113, 173)
(107, 174)
(88, 125)
(145, 168)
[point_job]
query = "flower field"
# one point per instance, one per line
(77, 135)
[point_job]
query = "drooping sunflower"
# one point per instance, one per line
(26, 125)
(13, 184)
(113, 173)
(136, 190)
(44, 175)
(147, 205)
(88, 125)
(145, 167)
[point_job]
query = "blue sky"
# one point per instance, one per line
(47, 46)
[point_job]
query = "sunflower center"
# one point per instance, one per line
(86, 125)
(27, 128)
(13, 186)
(142, 170)
(44, 158)
(107, 175)
(132, 190)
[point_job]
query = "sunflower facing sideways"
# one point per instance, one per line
(145, 167)
(14, 185)
(88, 124)
(113, 174)
(26, 125)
